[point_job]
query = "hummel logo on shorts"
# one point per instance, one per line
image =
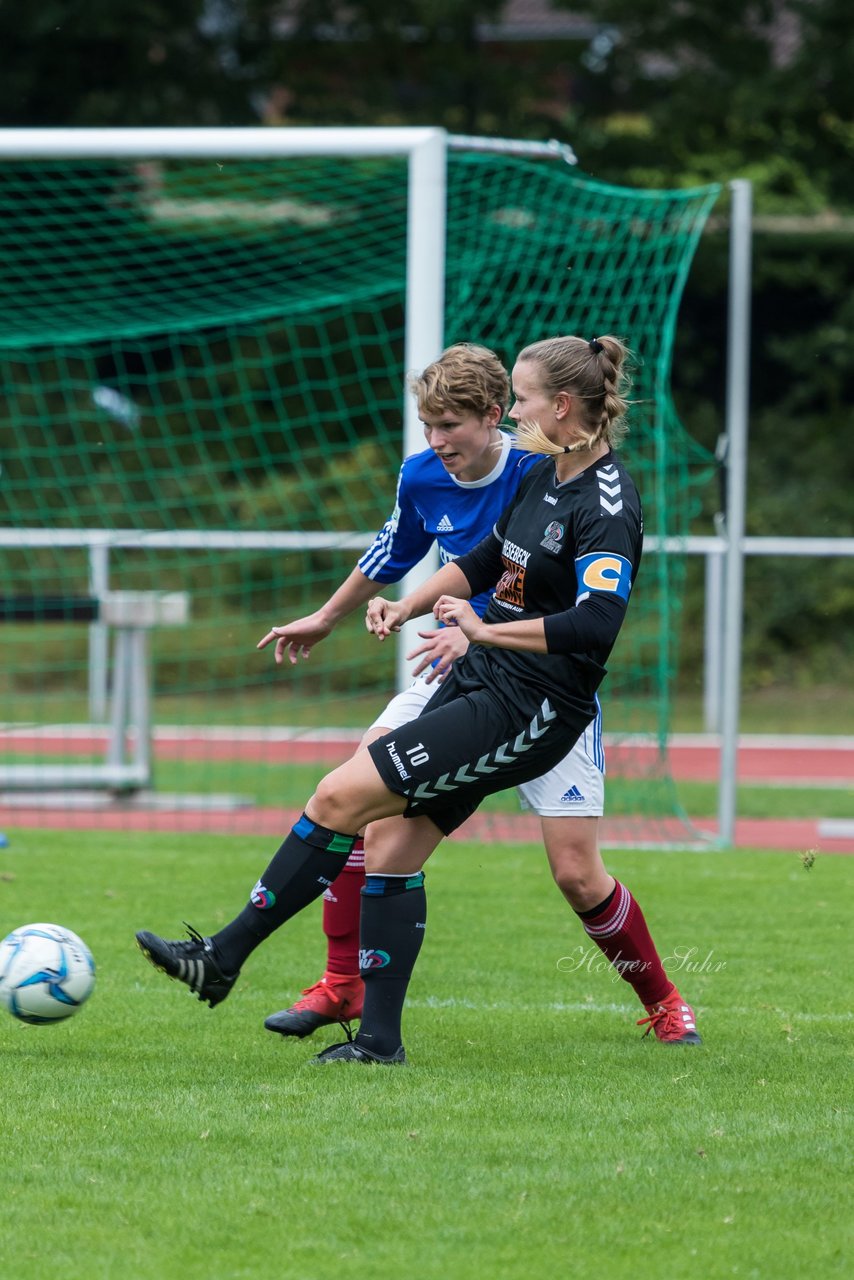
(572, 796)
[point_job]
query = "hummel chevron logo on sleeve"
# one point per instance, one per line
(609, 487)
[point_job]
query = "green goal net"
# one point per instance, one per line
(203, 366)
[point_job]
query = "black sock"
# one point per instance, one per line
(597, 910)
(302, 868)
(394, 916)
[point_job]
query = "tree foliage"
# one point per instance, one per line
(95, 62)
(763, 90)
(660, 95)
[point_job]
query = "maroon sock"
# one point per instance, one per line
(618, 928)
(342, 905)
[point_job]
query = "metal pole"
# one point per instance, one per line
(425, 323)
(552, 150)
(713, 640)
(99, 635)
(140, 702)
(122, 684)
(737, 396)
(214, 142)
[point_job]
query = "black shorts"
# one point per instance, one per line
(467, 745)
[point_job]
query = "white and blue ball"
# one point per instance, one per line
(46, 973)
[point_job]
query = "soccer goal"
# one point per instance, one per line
(204, 359)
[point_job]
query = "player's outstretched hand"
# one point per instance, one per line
(296, 639)
(383, 617)
(442, 648)
(455, 612)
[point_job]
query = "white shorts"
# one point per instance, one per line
(574, 788)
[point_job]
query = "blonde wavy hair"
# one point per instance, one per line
(466, 378)
(592, 372)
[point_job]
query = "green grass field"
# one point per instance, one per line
(535, 1134)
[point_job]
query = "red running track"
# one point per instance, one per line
(777, 760)
(768, 759)
(798, 835)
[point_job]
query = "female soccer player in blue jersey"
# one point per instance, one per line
(451, 493)
(564, 553)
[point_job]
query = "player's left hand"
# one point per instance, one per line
(384, 617)
(455, 612)
(442, 648)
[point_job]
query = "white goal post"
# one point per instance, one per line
(425, 149)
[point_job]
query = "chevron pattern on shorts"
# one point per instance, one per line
(507, 753)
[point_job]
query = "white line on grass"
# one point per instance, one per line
(570, 1006)
(590, 1006)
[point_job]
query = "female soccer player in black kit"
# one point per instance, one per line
(565, 555)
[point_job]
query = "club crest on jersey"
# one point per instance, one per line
(554, 535)
(603, 572)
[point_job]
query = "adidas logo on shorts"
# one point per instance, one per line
(572, 796)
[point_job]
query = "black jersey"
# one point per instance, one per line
(568, 553)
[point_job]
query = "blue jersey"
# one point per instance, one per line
(433, 506)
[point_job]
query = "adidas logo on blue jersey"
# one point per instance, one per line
(572, 796)
(444, 525)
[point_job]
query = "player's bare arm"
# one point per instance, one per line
(526, 636)
(295, 640)
(384, 617)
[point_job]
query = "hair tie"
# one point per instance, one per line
(595, 346)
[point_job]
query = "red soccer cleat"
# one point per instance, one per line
(672, 1020)
(336, 997)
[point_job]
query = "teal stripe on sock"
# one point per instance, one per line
(323, 838)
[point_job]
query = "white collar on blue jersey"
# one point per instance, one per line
(506, 446)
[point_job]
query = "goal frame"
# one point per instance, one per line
(425, 149)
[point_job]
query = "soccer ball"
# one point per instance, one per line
(46, 973)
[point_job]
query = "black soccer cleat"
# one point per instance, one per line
(192, 963)
(352, 1052)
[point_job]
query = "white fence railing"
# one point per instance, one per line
(131, 615)
(715, 549)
